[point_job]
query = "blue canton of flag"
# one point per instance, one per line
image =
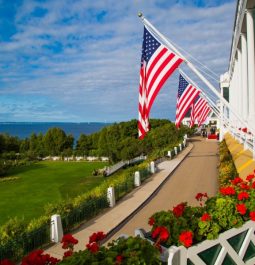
(150, 45)
(182, 85)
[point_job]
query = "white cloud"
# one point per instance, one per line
(90, 67)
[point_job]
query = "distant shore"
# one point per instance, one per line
(25, 129)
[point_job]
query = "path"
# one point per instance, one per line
(196, 173)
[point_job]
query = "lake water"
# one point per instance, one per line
(25, 129)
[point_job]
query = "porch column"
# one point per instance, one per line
(239, 89)
(251, 66)
(245, 97)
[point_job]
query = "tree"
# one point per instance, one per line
(55, 141)
(84, 144)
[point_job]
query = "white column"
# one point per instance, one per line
(232, 92)
(222, 131)
(251, 66)
(180, 146)
(175, 150)
(153, 167)
(245, 97)
(56, 228)
(137, 179)
(240, 96)
(111, 196)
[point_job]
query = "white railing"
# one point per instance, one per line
(110, 170)
(244, 138)
(235, 246)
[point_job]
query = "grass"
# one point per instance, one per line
(44, 182)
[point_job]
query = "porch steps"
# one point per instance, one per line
(243, 159)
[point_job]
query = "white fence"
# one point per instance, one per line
(233, 247)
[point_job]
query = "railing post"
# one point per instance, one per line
(180, 146)
(175, 150)
(152, 167)
(56, 228)
(169, 154)
(137, 179)
(173, 256)
(111, 196)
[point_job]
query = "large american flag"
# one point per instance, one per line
(187, 93)
(157, 64)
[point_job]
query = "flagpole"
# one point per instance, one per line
(193, 68)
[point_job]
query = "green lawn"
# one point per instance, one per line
(44, 182)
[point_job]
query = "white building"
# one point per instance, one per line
(238, 84)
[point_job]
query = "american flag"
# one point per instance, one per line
(192, 116)
(157, 64)
(204, 114)
(199, 106)
(187, 93)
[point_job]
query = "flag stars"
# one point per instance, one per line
(150, 45)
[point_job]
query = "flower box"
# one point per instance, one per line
(233, 247)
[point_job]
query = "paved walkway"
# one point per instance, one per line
(197, 173)
(170, 186)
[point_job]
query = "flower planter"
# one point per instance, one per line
(233, 247)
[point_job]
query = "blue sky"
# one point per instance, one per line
(78, 60)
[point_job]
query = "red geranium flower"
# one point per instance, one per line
(252, 216)
(186, 238)
(200, 196)
(244, 186)
(241, 208)
(162, 232)
(96, 237)
(253, 185)
(93, 247)
(242, 196)
(68, 241)
(6, 262)
(68, 253)
(179, 209)
(227, 190)
(119, 259)
(37, 257)
(236, 180)
(205, 217)
(151, 221)
(249, 177)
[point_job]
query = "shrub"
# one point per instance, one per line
(131, 250)
(185, 225)
(227, 169)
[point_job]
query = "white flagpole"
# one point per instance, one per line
(193, 68)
